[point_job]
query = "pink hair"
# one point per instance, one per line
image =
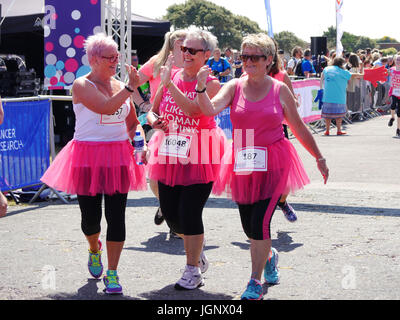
(94, 45)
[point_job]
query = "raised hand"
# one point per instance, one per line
(202, 76)
(133, 75)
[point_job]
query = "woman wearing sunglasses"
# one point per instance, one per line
(99, 160)
(262, 164)
(186, 151)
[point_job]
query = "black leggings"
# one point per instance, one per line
(396, 105)
(255, 224)
(115, 206)
(182, 206)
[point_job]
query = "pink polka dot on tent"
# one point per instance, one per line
(93, 2)
(53, 81)
(49, 46)
(54, 16)
(71, 65)
(78, 41)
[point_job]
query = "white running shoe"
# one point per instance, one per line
(203, 263)
(191, 279)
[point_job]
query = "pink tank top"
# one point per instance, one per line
(264, 116)
(178, 121)
(395, 82)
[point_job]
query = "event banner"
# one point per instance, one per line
(24, 143)
(306, 91)
(66, 26)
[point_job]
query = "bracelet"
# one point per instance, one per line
(321, 159)
(128, 88)
(200, 91)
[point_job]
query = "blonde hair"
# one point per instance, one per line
(168, 46)
(95, 44)
(260, 41)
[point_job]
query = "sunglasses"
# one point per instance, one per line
(253, 58)
(191, 50)
(112, 59)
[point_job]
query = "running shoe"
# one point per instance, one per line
(341, 133)
(326, 133)
(191, 279)
(288, 211)
(390, 123)
(94, 264)
(203, 263)
(111, 281)
(158, 218)
(271, 273)
(254, 291)
(398, 133)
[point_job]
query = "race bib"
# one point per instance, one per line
(116, 118)
(251, 159)
(396, 92)
(175, 145)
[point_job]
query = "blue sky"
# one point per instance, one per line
(304, 18)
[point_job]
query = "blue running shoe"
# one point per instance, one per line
(288, 211)
(111, 281)
(94, 264)
(254, 291)
(271, 273)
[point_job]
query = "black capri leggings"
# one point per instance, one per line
(396, 105)
(115, 206)
(182, 206)
(255, 224)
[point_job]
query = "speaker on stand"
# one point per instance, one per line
(318, 50)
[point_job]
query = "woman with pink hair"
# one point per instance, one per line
(99, 161)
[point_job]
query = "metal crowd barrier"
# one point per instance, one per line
(61, 195)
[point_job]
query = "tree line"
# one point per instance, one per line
(230, 28)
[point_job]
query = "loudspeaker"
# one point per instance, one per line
(318, 45)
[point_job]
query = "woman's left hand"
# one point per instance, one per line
(323, 168)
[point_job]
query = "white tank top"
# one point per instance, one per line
(92, 126)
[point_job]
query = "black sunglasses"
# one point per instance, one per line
(253, 58)
(191, 50)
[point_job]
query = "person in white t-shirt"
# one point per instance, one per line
(297, 53)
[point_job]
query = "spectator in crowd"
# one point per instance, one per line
(334, 81)
(237, 64)
(144, 89)
(219, 65)
(228, 53)
(307, 66)
(394, 93)
(281, 54)
(353, 86)
(297, 54)
(3, 199)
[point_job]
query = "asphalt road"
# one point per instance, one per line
(345, 244)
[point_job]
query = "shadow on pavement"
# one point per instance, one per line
(164, 244)
(89, 291)
(170, 293)
(283, 243)
(364, 211)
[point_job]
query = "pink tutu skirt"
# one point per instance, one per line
(285, 175)
(89, 168)
(201, 166)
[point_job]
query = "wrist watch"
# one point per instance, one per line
(200, 91)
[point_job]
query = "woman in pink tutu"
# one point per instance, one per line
(262, 164)
(99, 160)
(186, 151)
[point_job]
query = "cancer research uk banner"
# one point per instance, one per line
(24, 143)
(66, 25)
(306, 91)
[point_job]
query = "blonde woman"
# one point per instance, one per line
(262, 164)
(150, 72)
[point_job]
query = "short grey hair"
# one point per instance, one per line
(209, 41)
(260, 41)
